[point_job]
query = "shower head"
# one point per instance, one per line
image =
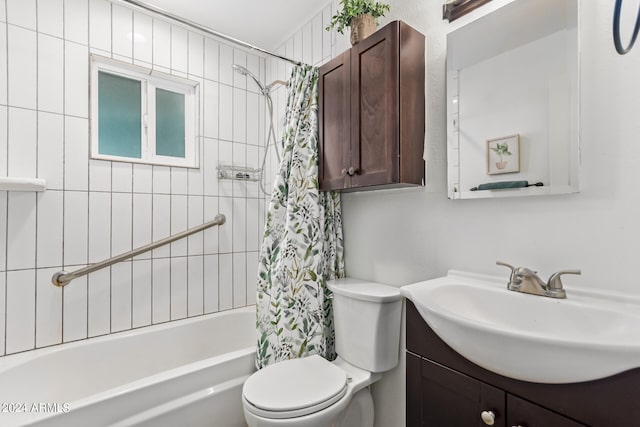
(245, 72)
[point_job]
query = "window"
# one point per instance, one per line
(142, 116)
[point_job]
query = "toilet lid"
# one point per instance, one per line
(295, 387)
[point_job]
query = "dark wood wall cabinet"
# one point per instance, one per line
(446, 390)
(372, 113)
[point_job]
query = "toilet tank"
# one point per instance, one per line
(367, 319)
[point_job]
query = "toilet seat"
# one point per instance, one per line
(294, 388)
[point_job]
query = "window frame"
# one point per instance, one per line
(150, 80)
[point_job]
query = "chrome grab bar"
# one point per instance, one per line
(62, 278)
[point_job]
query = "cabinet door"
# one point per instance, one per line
(521, 413)
(374, 108)
(452, 399)
(335, 121)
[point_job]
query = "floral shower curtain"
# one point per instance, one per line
(302, 244)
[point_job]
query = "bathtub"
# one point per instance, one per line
(184, 373)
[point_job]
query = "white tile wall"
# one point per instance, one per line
(141, 293)
(50, 17)
(195, 290)
(76, 17)
(94, 209)
(99, 293)
(121, 300)
(48, 309)
(22, 13)
(50, 222)
(161, 290)
(3, 63)
(20, 310)
(3, 306)
(100, 25)
(3, 238)
(22, 143)
(21, 231)
(142, 46)
(50, 74)
(75, 310)
(51, 149)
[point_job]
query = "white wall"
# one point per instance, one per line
(510, 94)
(403, 236)
(95, 209)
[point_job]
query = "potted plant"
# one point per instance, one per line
(361, 15)
(501, 150)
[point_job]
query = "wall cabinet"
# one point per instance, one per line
(372, 113)
(445, 389)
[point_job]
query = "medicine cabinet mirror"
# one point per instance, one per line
(513, 89)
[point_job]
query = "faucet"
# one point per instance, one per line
(525, 280)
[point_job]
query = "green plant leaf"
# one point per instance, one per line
(353, 8)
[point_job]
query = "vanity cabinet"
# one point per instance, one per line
(445, 389)
(372, 114)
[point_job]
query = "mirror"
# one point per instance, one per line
(513, 102)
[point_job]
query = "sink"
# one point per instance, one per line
(589, 335)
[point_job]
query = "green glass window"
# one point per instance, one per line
(119, 115)
(170, 119)
(140, 115)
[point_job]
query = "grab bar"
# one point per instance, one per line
(62, 278)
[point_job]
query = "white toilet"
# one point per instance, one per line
(313, 392)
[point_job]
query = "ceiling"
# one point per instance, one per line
(262, 23)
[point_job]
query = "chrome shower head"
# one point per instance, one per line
(245, 72)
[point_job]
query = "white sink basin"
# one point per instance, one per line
(589, 335)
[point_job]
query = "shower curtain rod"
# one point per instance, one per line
(204, 29)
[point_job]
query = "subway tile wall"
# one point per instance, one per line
(95, 209)
(310, 44)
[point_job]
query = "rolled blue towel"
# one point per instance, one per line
(505, 184)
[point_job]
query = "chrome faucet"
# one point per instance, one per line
(525, 280)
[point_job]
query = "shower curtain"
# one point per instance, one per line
(302, 244)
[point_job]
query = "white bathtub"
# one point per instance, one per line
(184, 373)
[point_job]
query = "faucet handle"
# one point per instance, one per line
(514, 282)
(504, 264)
(554, 285)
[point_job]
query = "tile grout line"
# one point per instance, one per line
(217, 180)
(170, 193)
(35, 261)
(6, 261)
(151, 257)
(64, 156)
(133, 177)
(187, 196)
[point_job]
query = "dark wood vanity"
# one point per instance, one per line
(446, 390)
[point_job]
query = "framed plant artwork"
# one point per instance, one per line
(503, 155)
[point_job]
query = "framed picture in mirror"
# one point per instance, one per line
(503, 155)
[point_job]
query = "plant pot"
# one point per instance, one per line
(362, 26)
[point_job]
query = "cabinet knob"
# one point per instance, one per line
(488, 417)
(343, 172)
(352, 171)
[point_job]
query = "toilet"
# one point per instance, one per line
(313, 392)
